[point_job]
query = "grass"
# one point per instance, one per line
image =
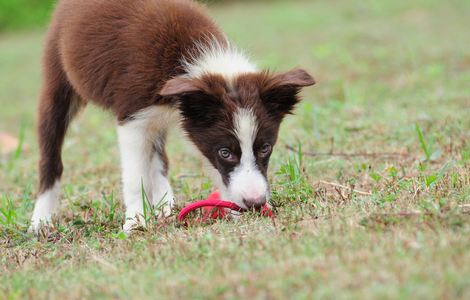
(370, 179)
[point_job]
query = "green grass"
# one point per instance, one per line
(372, 205)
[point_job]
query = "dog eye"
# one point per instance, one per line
(225, 153)
(265, 150)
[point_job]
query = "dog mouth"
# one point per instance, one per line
(250, 208)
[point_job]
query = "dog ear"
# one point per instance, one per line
(280, 93)
(179, 86)
(296, 77)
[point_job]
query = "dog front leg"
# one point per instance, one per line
(162, 193)
(136, 155)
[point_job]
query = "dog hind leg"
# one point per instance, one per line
(58, 105)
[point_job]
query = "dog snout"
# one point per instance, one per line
(255, 203)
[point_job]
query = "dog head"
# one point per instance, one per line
(235, 124)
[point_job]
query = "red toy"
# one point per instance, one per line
(215, 208)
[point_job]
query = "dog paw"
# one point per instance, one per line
(34, 229)
(133, 224)
(37, 224)
(165, 211)
(164, 204)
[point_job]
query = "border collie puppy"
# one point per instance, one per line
(151, 62)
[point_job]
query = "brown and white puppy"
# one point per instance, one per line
(151, 62)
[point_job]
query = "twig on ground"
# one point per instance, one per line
(337, 185)
(465, 208)
(348, 155)
(411, 213)
(340, 193)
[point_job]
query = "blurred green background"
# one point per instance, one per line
(24, 14)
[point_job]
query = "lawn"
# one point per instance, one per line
(370, 178)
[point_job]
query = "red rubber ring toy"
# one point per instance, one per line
(214, 208)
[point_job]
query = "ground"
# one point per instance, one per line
(370, 178)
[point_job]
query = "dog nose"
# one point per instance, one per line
(255, 203)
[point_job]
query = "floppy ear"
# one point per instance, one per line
(280, 93)
(296, 78)
(179, 86)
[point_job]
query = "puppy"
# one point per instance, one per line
(152, 62)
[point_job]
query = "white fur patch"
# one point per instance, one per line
(46, 205)
(141, 165)
(246, 180)
(217, 59)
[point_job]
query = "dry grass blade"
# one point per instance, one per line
(340, 186)
(351, 155)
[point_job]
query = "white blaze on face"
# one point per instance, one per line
(246, 181)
